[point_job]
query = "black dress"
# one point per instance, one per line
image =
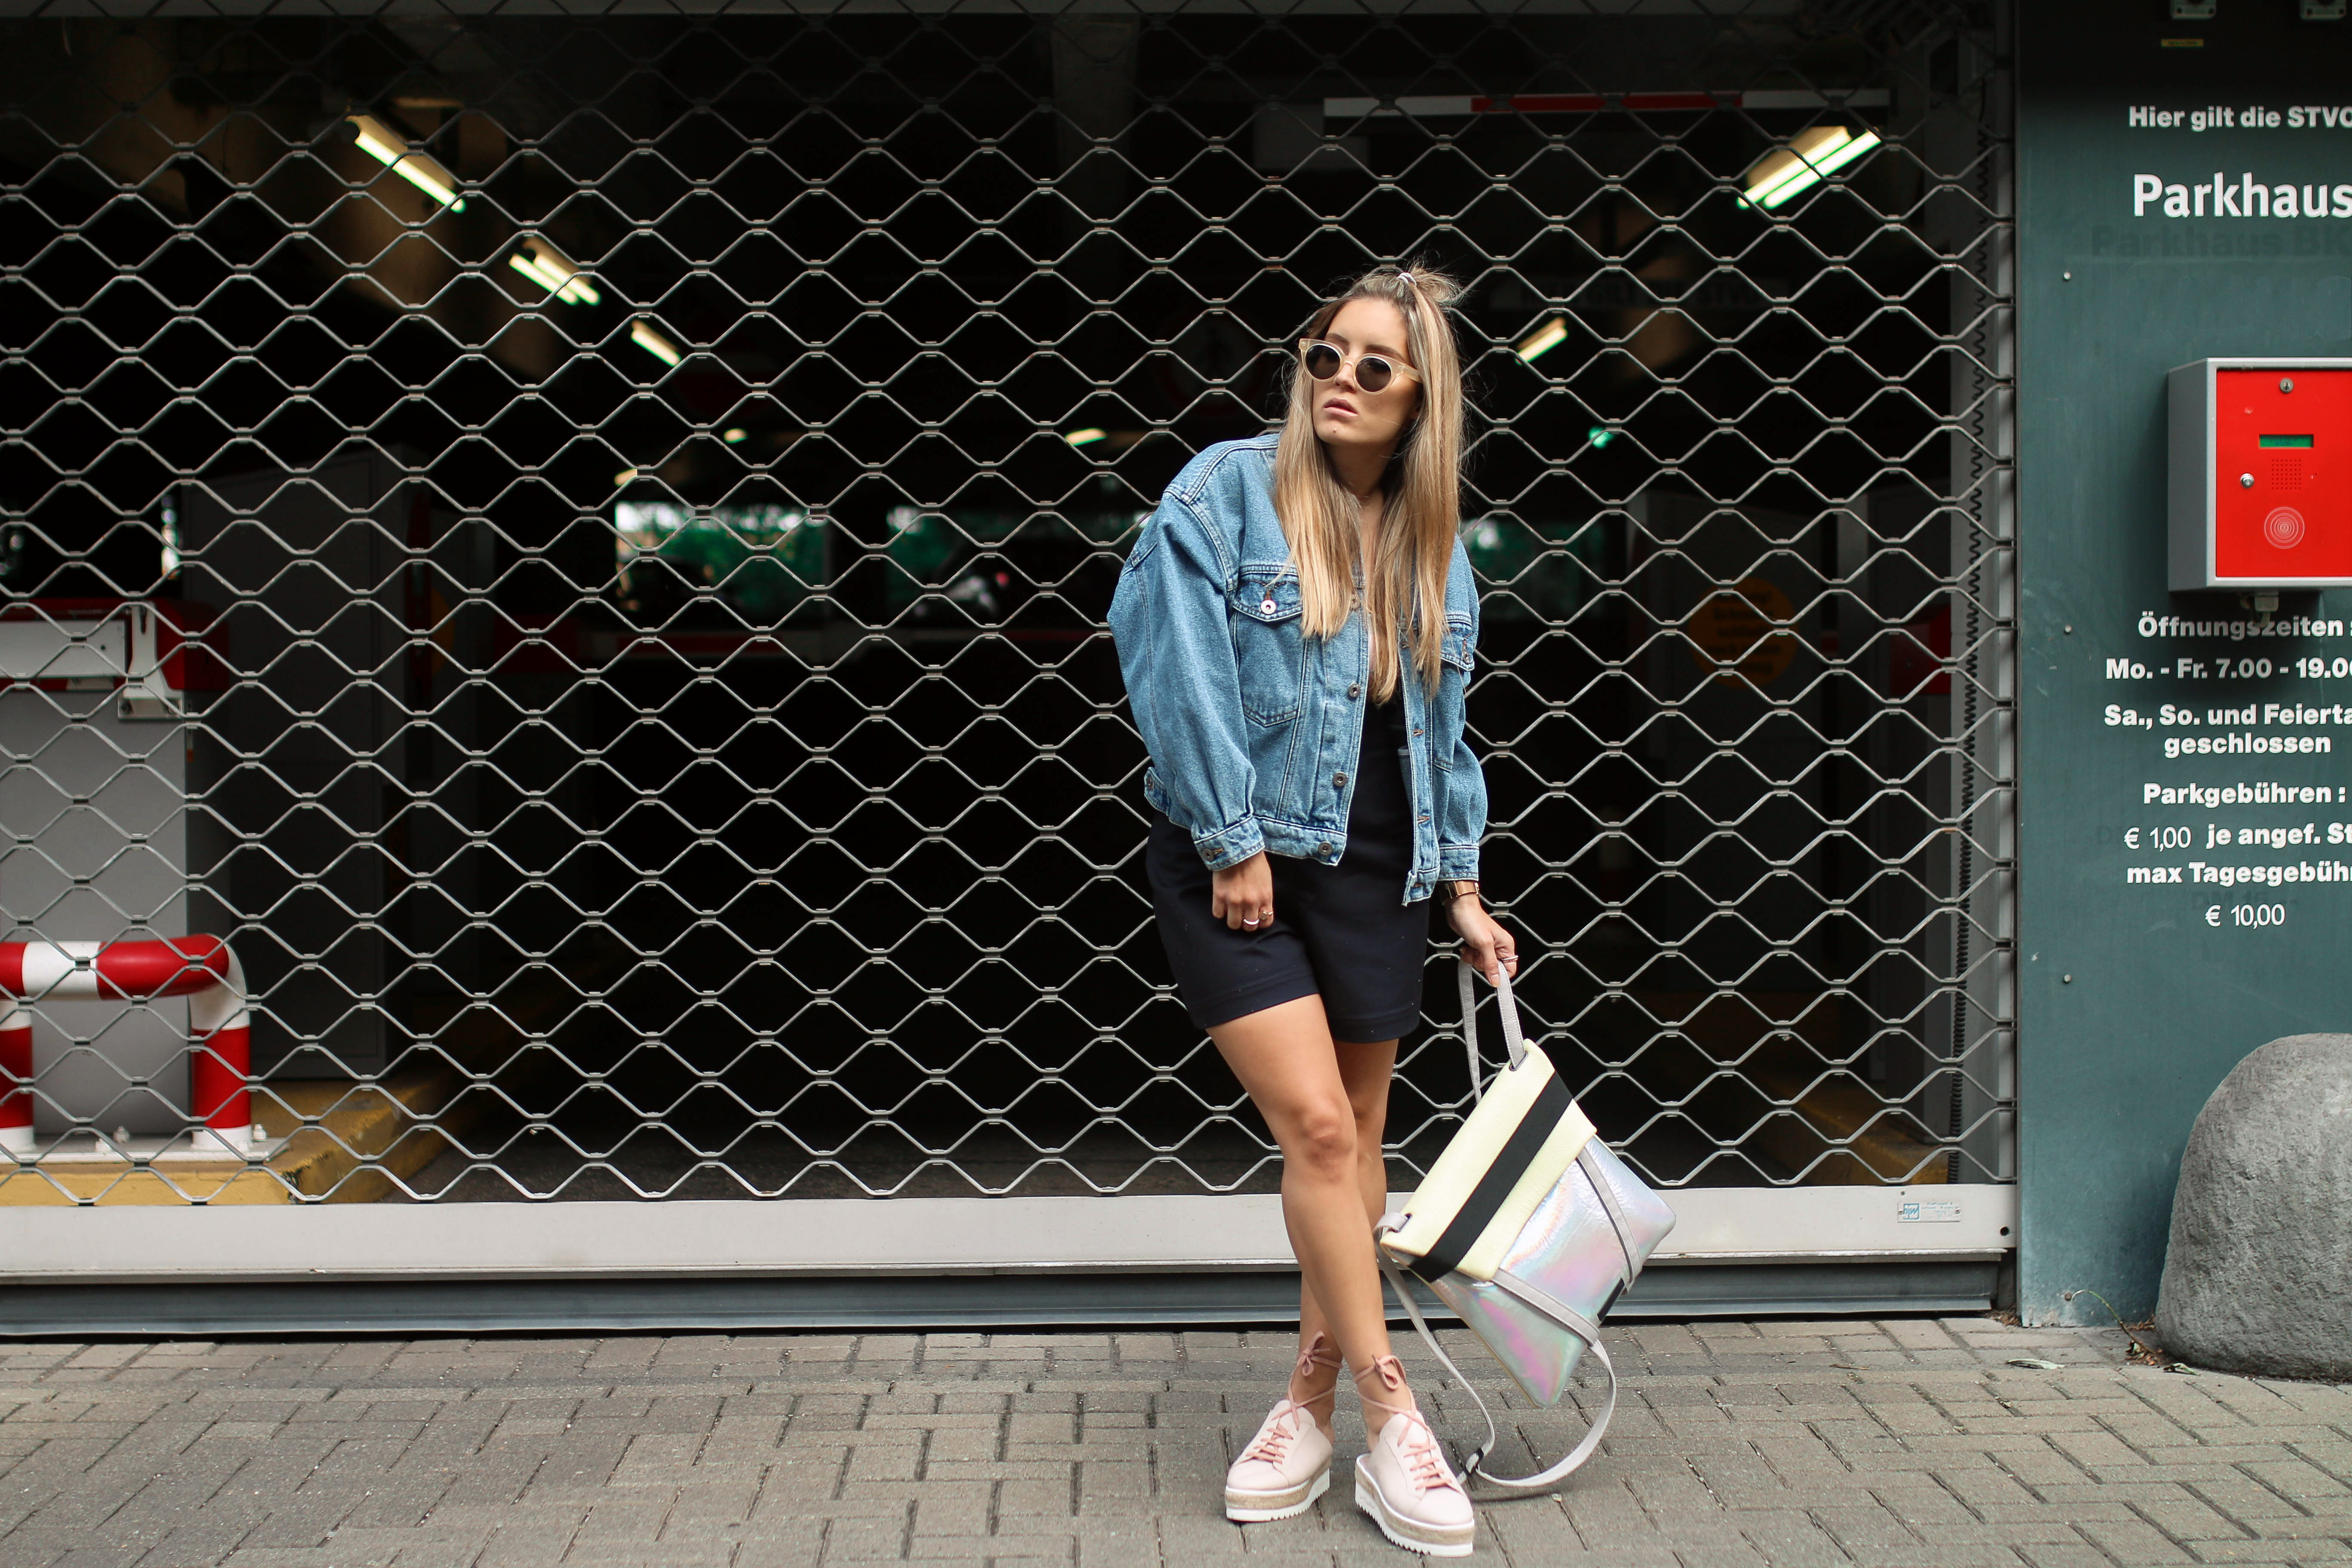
(1339, 931)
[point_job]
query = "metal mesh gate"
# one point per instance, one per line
(622, 511)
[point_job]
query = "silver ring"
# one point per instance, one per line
(1248, 922)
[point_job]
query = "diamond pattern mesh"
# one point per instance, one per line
(648, 728)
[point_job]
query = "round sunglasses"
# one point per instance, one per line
(1373, 371)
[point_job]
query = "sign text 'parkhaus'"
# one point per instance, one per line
(2245, 196)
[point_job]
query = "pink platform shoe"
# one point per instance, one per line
(1405, 1482)
(1287, 1465)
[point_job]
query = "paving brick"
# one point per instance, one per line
(2064, 1554)
(1737, 1446)
(2336, 1526)
(2298, 1479)
(2132, 1543)
(2267, 1552)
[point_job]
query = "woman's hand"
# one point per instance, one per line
(1484, 940)
(1243, 894)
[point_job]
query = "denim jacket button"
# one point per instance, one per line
(1355, 689)
(1339, 781)
(1323, 849)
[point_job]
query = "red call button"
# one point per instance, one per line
(2281, 473)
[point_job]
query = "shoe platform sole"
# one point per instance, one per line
(1258, 1508)
(1404, 1532)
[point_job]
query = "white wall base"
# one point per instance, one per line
(884, 1236)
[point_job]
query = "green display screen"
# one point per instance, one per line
(2286, 440)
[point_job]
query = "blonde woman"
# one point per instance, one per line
(1295, 625)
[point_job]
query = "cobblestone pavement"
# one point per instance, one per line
(1767, 1445)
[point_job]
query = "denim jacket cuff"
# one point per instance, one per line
(1457, 862)
(1230, 845)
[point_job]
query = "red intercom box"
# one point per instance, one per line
(2262, 474)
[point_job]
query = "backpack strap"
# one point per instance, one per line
(1610, 1206)
(1514, 1041)
(1543, 1302)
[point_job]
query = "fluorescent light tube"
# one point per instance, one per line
(378, 141)
(1085, 437)
(532, 270)
(641, 333)
(539, 261)
(1809, 158)
(1783, 171)
(1814, 154)
(1544, 339)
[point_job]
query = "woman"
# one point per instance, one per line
(1295, 625)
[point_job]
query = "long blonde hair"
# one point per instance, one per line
(1423, 513)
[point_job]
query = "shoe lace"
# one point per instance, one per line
(1272, 1440)
(1314, 1354)
(1423, 1460)
(1417, 1448)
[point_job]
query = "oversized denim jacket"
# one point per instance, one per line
(1253, 726)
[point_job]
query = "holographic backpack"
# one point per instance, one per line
(1529, 1229)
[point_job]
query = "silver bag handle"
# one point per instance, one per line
(1514, 1040)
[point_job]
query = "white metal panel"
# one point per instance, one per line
(859, 1235)
(44, 649)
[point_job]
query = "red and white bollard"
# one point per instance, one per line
(200, 968)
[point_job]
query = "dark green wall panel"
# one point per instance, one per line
(2114, 1063)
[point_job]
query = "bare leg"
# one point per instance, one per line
(1286, 1060)
(1365, 1071)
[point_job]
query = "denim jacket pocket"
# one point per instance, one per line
(1269, 643)
(1454, 655)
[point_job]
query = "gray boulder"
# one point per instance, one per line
(2258, 1276)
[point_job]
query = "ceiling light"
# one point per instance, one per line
(539, 261)
(1544, 339)
(624, 476)
(1809, 158)
(641, 333)
(1600, 436)
(735, 437)
(1085, 437)
(378, 141)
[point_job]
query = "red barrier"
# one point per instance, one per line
(200, 968)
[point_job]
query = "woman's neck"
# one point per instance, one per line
(1358, 468)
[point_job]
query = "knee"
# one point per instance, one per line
(1323, 1142)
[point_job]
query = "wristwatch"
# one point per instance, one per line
(1461, 888)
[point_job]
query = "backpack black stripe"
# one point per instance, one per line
(1486, 1201)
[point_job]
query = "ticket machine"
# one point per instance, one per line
(2260, 474)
